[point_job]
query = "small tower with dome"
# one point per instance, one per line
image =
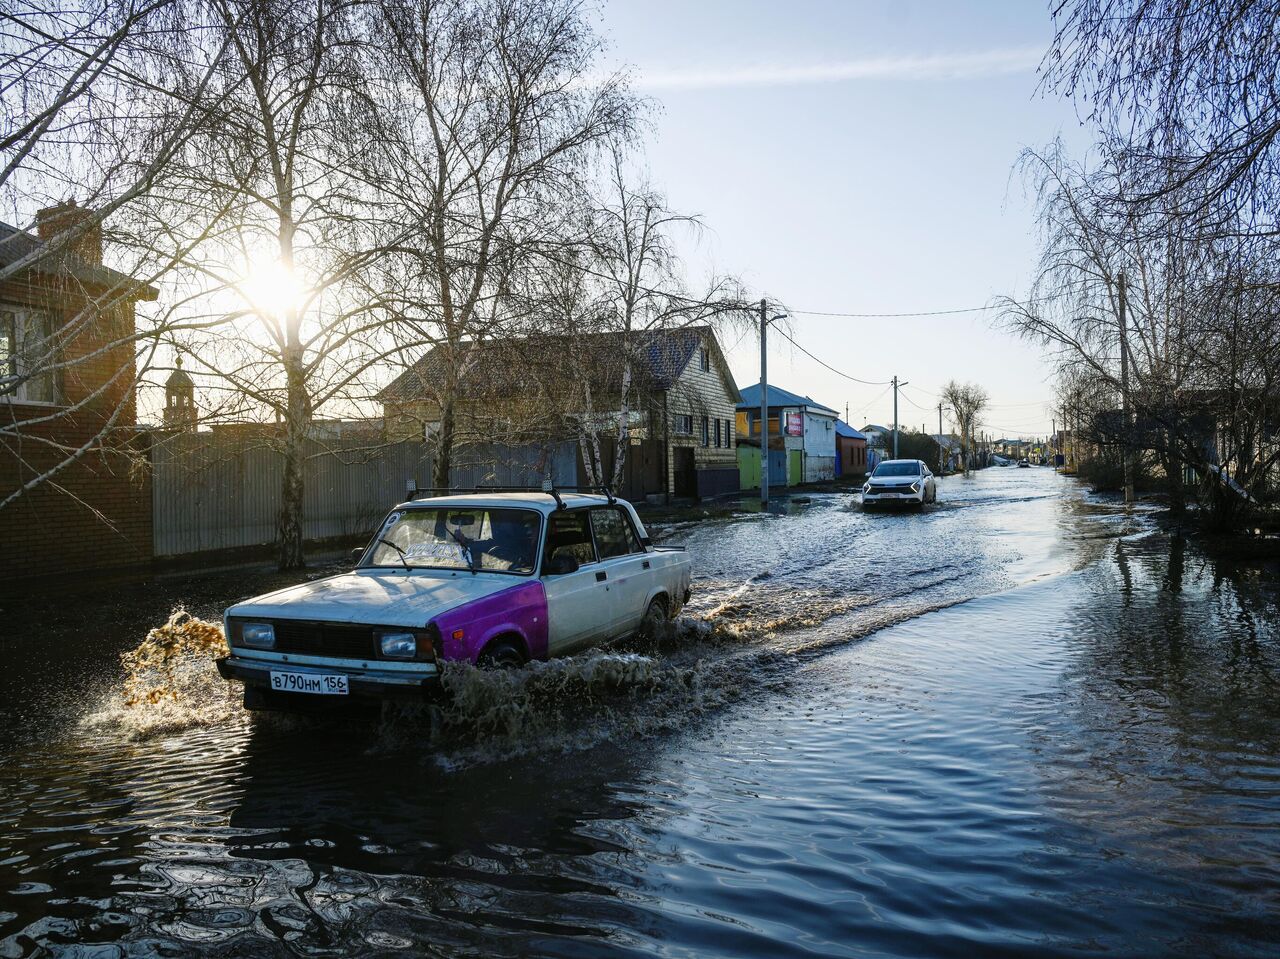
(179, 399)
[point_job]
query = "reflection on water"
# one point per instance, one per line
(1058, 733)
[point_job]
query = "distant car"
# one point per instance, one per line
(1024, 463)
(899, 483)
(492, 579)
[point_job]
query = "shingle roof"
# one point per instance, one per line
(503, 367)
(16, 244)
(778, 397)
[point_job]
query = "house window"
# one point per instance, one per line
(682, 424)
(706, 431)
(719, 426)
(25, 341)
(704, 361)
(728, 433)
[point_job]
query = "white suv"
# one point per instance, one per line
(899, 483)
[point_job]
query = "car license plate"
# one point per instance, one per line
(316, 683)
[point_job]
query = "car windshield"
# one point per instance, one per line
(897, 469)
(460, 537)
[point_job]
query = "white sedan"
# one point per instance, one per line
(899, 483)
(492, 579)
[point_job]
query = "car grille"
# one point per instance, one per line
(325, 639)
(877, 490)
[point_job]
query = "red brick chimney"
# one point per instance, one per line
(54, 220)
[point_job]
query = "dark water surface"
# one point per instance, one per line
(1023, 722)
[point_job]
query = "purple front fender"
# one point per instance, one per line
(519, 611)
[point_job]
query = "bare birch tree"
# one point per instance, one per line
(493, 108)
(967, 402)
(279, 155)
(1190, 87)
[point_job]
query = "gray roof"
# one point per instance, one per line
(16, 244)
(778, 397)
(503, 367)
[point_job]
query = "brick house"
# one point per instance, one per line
(68, 406)
(851, 451)
(535, 391)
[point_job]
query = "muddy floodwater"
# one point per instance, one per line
(1021, 722)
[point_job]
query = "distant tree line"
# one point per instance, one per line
(1158, 289)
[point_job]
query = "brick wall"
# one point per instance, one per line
(96, 512)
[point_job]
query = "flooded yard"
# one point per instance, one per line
(1021, 721)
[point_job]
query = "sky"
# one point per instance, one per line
(858, 157)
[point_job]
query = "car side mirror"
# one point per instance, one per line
(560, 565)
(356, 554)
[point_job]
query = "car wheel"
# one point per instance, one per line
(655, 617)
(501, 654)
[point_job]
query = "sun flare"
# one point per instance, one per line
(273, 289)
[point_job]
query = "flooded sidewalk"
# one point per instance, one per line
(1022, 722)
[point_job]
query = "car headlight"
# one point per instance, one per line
(867, 488)
(398, 645)
(915, 487)
(258, 635)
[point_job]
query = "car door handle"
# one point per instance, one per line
(601, 576)
(645, 564)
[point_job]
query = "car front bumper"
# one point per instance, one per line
(893, 499)
(375, 683)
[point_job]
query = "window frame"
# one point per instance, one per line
(704, 359)
(626, 521)
(591, 532)
(539, 538)
(18, 314)
(679, 420)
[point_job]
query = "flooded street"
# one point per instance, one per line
(1020, 721)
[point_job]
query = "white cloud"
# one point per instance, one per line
(947, 66)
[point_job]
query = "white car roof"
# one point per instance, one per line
(543, 502)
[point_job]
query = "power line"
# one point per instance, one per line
(880, 396)
(903, 394)
(832, 368)
(884, 316)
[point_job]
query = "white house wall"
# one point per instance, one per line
(820, 435)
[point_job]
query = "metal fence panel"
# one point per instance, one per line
(222, 490)
(494, 464)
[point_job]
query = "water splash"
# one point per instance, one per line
(169, 683)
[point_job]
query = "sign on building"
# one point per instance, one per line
(795, 424)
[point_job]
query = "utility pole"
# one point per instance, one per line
(942, 466)
(1127, 439)
(1053, 444)
(896, 384)
(764, 405)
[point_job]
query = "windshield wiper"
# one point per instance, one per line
(404, 557)
(466, 548)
